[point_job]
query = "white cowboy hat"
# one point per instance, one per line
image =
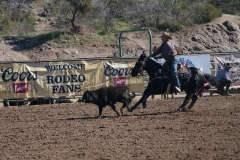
(165, 34)
(228, 65)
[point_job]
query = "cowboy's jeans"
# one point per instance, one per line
(222, 84)
(174, 64)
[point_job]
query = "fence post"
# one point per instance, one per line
(141, 29)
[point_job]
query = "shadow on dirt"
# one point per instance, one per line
(22, 43)
(125, 115)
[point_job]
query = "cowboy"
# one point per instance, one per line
(168, 52)
(224, 80)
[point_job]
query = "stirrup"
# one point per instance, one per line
(177, 90)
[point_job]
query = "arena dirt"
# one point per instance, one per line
(71, 131)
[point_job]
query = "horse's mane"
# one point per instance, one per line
(142, 57)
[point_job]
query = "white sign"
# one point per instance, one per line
(198, 61)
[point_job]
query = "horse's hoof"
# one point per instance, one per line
(180, 109)
(144, 106)
(184, 109)
(130, 110)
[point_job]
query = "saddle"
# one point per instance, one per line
(183, 72)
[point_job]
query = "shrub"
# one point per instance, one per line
(173, 27)
(205, 13)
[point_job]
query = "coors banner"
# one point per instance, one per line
(19, 80)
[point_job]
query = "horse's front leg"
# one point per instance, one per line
(186, 100)
(144, 101)
(136, 105)
(194, 99)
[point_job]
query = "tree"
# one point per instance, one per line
(78, 7)
(112, 9)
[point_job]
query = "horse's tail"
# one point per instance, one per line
(198, 76)
(211, 79)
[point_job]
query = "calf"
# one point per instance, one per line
(109, 96)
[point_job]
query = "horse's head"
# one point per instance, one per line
(139, 65)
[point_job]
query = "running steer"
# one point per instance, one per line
(109, 96)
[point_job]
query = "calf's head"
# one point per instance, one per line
(89, 96)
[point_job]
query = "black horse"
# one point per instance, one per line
(159, 81)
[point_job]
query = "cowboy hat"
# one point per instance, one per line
(165, 34)
(228, 65)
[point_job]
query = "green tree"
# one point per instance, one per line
(78, 7)
(205, 13)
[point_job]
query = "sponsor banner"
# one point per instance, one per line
(234, 59)
(20, 87)
(19, 80)
(119, 81)
(67, 78)
(119, 70)
(199, 61)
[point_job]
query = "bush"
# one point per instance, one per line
(227, 6)
(173, 27)
(10, 25)
(205, 13)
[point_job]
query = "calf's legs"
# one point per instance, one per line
(125, 104)
(100, 111)
(114, 108)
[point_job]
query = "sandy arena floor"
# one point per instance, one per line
(70, 131)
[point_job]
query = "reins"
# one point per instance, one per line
(155, 79)
(158, 77)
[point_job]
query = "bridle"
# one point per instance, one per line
(141, 70)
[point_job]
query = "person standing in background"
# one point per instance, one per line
(224, 80)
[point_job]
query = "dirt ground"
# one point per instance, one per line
(71, 131)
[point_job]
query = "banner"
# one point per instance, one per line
(234, 59)
(73, 78)
(19, 80)
(199, 61)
